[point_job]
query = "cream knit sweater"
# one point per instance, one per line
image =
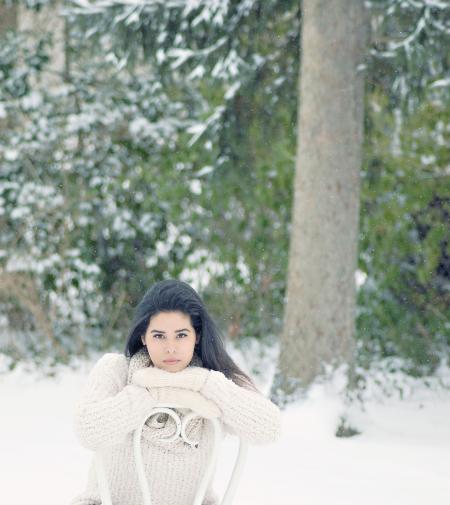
(111, 407)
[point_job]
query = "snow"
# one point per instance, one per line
(207, 169)
(32, 101)
(195, 186)
(402, 456)
(11, 154)
(441, 83)
(200, 267)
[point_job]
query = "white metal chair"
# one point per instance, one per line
(230, 491)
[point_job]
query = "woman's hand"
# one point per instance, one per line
(185, 398)
(191, 377)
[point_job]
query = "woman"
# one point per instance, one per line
(174, 353)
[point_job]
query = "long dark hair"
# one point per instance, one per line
(175, 295)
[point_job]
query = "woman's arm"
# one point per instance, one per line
(188, 399)
(108, 409)
(191, 377)
(247, 413)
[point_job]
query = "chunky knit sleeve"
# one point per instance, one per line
(246, 413)
(108, 409)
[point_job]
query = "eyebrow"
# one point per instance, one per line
(176, 331)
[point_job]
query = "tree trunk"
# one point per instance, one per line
(8, 17)
(48, 19)
(320, 300)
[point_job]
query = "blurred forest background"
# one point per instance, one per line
(142, 141)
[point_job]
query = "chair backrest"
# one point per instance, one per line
(208, 475)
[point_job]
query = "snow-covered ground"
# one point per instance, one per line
(402, 456)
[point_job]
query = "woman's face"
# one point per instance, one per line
(170, 336)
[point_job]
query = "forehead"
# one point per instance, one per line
(171, 320)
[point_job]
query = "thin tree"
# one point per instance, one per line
(320, 300)
(8, 17)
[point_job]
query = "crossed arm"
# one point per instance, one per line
(246, 413)
(108, 409)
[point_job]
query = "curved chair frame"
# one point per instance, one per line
(208, 475)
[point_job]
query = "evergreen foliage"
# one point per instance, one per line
(169, 148)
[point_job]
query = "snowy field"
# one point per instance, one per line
(402, 456)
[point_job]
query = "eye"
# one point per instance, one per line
(157, 335)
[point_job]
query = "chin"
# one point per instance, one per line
(171, 368)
